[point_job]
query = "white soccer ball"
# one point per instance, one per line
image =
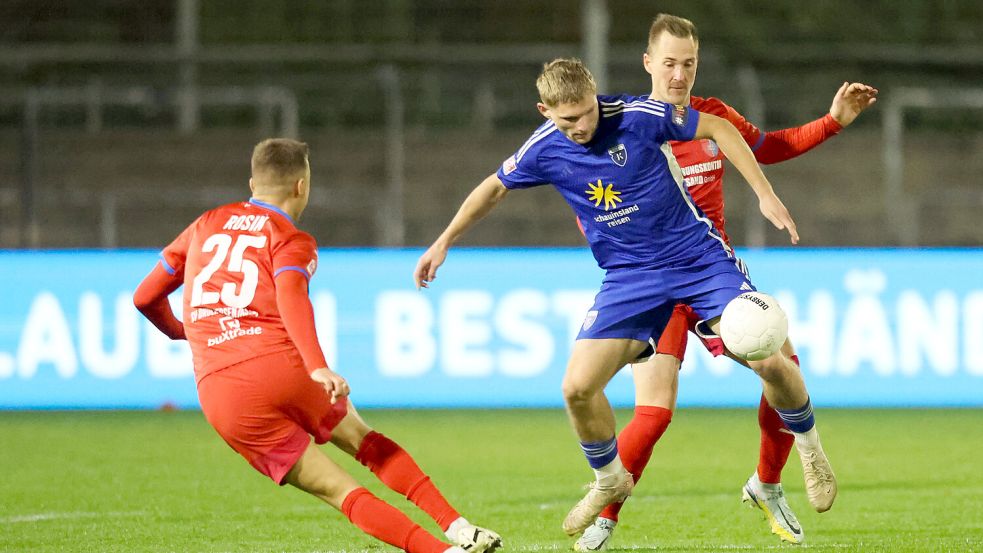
(753, 326)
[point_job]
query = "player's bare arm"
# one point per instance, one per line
(850, 100)
(737, 151)
(479, 203)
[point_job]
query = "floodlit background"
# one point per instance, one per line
(120, 120)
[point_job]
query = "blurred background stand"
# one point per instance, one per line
(115, 109)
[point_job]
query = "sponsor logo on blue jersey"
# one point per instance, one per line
(598, 192)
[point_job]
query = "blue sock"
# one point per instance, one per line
(798, 420)
(600, 454)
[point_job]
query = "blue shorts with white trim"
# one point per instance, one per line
(637, 303)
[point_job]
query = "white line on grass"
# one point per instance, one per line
(40, 517)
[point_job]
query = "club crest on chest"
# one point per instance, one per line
(619, 155)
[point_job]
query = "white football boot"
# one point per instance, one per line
(775, 508)
(598, 497)
(596, 536)
(473, 539)
(818, 474)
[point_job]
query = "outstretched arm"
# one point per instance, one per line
(737, 151)
(848, 103)
(150, 299)
(479, 202)
(850, 100)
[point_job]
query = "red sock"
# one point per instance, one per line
(383, 521)
(635, 444)
(394, 466)
(776, 442)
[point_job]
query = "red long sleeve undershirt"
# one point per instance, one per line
(150, 299)
(788, 143)
(297, 314)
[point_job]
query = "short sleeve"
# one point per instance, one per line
(679, 122)
(522, 169)
(298, 253)
(657, 121)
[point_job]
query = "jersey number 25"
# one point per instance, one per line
(237, 264)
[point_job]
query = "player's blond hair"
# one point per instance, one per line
(565, 81)
(279, 161)
(679, 27)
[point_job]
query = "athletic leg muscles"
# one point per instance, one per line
(785, 391)
(350, 432)
(784, 387)
(318, 475)
(657, 381)
(592, 364)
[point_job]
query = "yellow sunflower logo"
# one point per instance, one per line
(598, 192)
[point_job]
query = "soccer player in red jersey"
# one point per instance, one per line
(671, 59)
(262, 379)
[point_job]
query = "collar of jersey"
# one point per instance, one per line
(271, 207)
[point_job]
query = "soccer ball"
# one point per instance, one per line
(753, 326)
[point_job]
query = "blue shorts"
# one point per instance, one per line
(637, 303)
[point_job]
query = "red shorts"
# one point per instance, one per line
(267, 408)
(673, 339)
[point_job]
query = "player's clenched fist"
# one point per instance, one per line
(334, 384)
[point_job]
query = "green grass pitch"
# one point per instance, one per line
(910, 480)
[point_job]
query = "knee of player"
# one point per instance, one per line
(771, 366)
(575, 391)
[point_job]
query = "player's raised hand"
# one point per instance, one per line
(334, 384)
(850, 100)
(775, 211)
(426, 267)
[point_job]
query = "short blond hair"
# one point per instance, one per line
(679, 27)
(565, 81)
(279, 161)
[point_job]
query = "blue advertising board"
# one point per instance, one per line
(873, 327)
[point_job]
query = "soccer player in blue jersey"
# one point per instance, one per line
(672, 59)
(609, 157)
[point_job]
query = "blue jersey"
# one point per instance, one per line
(624, 185)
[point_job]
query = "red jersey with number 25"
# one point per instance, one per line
(229, 258)
(702, 162)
